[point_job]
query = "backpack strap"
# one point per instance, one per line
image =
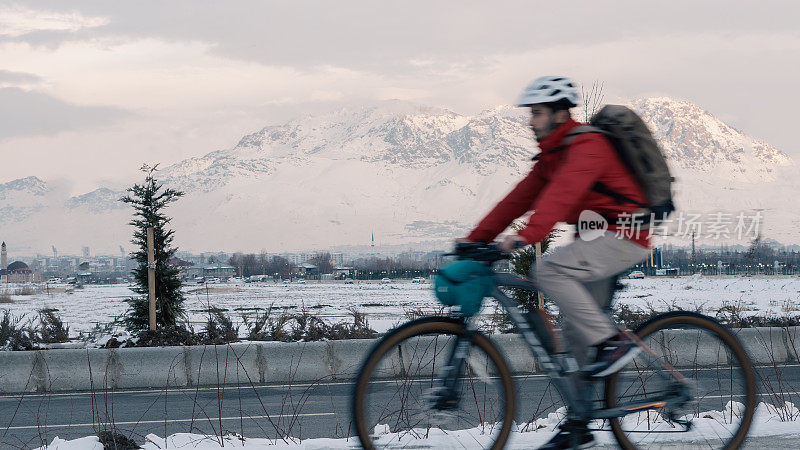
(598, 186)
(621, 199)
(583, 129)
(537, 156)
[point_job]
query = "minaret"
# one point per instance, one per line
(4, 257)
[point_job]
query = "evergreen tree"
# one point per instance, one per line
(149, 200)
(521, 262)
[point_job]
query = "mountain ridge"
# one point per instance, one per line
(410, 171)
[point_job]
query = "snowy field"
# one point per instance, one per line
(387, 304)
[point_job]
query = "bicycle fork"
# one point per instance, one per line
(446, 395)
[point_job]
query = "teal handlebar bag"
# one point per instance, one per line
(464, 284)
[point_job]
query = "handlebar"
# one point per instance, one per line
(478, 251)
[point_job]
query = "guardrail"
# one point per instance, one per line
(282, 362)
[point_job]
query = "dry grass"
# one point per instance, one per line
(58, 289)
(215, 290)
(6, 298)
(304, 326)
(26, 290)
(790, 306)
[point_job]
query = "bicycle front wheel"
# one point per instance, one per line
(394, 401)
(709, 363)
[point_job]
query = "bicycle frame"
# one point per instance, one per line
(557, 366)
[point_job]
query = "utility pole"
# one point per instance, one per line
(151, 277)
(694, 260)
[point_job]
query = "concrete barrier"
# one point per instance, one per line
(765, 345)
(304, 362)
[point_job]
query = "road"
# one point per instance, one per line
(302, 410)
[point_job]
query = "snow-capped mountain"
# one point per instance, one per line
(405, 172)
(394, 134)
(30, 186)
(22, 198)
(693, 138)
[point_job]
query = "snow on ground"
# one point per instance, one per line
(766, 423)
(385, 304)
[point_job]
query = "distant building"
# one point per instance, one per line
(340, 272)
(213, 270)
(308, 270)
(298, 258)
(182, 266)
(337, 259)
(17, 271)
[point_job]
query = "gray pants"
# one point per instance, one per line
(579, 278)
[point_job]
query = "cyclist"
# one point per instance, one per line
(580, 276)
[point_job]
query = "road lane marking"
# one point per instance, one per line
(139, 422)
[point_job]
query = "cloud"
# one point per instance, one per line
(18, 21)
(6, 76)
(25, 113)
(383, 36)
(18, 79)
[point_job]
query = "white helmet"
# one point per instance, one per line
(549, 89)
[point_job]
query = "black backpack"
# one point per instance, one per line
(641, 153)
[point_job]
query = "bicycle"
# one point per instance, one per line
(440, 382)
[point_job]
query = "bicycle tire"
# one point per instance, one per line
(734, 348)
(429, 326)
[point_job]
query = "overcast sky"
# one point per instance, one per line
(91, 89)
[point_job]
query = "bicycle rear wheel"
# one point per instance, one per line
(717, 370)
(395, 391)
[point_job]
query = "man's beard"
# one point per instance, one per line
(541, 133)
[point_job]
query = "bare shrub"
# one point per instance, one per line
(267, 326)
(98, 331)
(279, 329)
(497, 322)
(114, 440)
(758, 321)
(172, 335)
(257, 327)
(631, 316)
(307, 327)
(304, 326)
(219, 328)
(51, 328)
(358, 329)
(14, 335)
(415, 313)
(5, 298)
(26, 290)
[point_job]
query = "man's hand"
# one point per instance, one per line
(513, 242)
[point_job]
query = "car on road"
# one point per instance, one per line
(418, 280)
(636, 274)
(386, 280)
(348, 281)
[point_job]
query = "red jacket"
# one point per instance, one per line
(560, 186)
